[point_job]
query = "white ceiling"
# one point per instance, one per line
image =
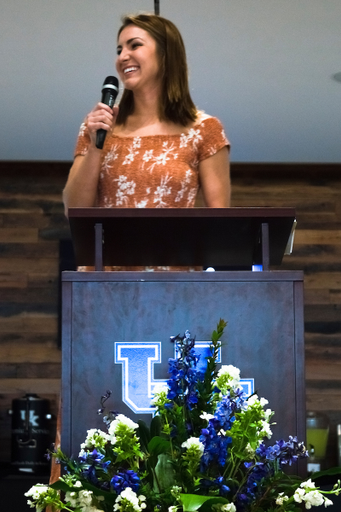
(264, 67)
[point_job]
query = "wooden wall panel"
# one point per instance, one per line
(32, 222)
(315, 191)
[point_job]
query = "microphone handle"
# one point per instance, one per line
(100, 138)
(109, 99)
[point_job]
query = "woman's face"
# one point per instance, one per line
(138, 63)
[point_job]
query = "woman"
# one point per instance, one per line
(159, 149)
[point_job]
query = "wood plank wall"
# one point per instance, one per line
(32, 223)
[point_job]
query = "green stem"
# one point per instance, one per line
(170, 438)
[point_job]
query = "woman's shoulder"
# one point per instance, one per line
(211, 132)
(205, 122)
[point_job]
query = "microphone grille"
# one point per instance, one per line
(110, 81)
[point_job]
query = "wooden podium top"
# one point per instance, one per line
(224, 237)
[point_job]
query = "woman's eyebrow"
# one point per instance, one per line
(129, 41)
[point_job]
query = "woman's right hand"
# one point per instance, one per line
(101, 117)
(81, 186)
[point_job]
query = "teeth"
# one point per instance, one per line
(129, 69)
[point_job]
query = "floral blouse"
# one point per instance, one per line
(154, 171)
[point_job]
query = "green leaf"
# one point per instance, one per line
(207, 506)
(192, 502)
(158, 445)
(326, 472)
(144, 435)
(155, 426)
(60, 486)
(164, 472)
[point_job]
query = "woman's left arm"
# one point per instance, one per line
(214, 175)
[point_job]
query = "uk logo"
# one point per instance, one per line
(32, 418)
(138, 360)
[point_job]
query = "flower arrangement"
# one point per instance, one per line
(204, 451)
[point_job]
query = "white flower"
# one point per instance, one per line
(82, 129)
(310, 495)
(85, 498)
(95, 439)
(78, 484)
(120, 421)
(230, 370)
(308, 484)
(113, 439)
(253, 400)
(148, 155)
(128, 494)
(281, 498)
(327, 502)
(228, 507)
(81, 500)
(36, 491)
(137, 142)
(228, 377)
(313, 498)
(298, 496)
(72, 498)
(266, 430)
(268, 414)
(206, 416)
(160, 391)
(141, 204)
(193, 442)
(175, 490)
(160, 387)
(249, 450)
(173, 508)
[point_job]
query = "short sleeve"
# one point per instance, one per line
(213, 138)
(83, 141)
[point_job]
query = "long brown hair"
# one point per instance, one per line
(175, 103)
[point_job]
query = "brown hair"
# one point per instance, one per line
(175, 103)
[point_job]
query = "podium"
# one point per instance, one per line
(116, 325)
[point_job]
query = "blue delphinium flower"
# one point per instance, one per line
(89, 474)
(183, 371)
(285, 452)
(252, 487)
(216, 445)
(124, 479)
(217, 483)
(93, 458)
(234, 401)
(92, 461)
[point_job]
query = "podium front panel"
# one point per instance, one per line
(103, 311)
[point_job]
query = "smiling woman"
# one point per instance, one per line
(159, 148)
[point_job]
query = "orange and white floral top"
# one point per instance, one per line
(156, 171)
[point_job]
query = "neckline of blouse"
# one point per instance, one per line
(182, 134)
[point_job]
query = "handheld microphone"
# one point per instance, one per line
(109, 94)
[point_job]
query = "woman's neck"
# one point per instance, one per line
(145, 119)
(146, 102)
